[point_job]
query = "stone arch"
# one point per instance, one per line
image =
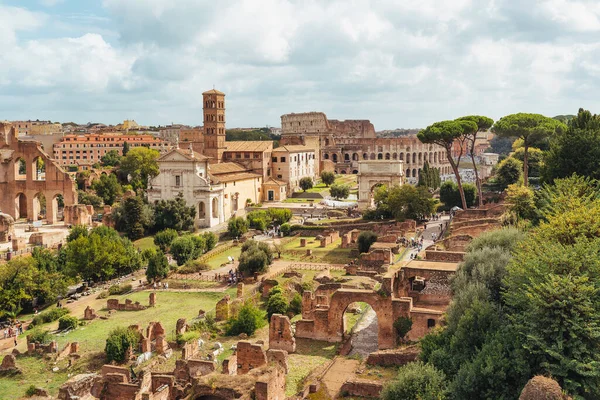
(414, 158)
(215, 207)
(39, 206)
(435, 157)
(326, 142)
(38, 169)
(355, 171)
(382, 306)
(326, 156)
(354, 157)
(334, 157)
(365, 156)
(20, 169)
(395, 156)
(21, 206)
(408, 158)
(408, 173)
(414, 173)
(380, 156)
(201, 210)
(420, 157)
(343, 172)
(430, 157)
(54, 213)
(373, 156)
(401, 155)
(346, 157)
(387, 156)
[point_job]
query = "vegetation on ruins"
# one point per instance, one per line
(531, 128)
(276, 303)
(249, 319)
(446, 134)
(450, 196)
(402, 202)
(339, 191)
(365, 240)
(416, 381)
(174, 214)
(483, 124)
(118, 343)
(237, 226)
(576, 151)
(508, 172)
(327, 177)
(306, 183)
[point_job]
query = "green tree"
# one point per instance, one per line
(446, 134)
(76, 232)
(258, 219)
(112, 158)
(89, 199)
(450, 196)
(339, 191)
(277, 304)
(402, 326)
(237, 226)
(483, 124)
(249, 319)
(535, 159)
(521, 202)
(509, 172)
(185, 248)
(118, 343)
(285, 229)
(125, 148)
(327, 178)
(252, 261)
(210, 240)
(280, 215)
(174, 214)
(158, 266)
(306, 183)
(365, 240)
(416, 380)
(132, 217)
(163, 239)
(409, 202)
(295, 304)
(577, 151)
(429, 177)
(108, 188)
(140, 165)
(531, 128)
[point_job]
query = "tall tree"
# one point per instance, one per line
(483, 124)
(108, 188)
(446, 134)
(125, 148)
(140, 165)
(530, 128)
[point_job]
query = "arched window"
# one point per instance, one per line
(39, 169)
(20, 170)
(326, 156)
(201, 212)
(380, 156)
(365, 156)
(334, 157)
(401, 156)
(372, 156)
(387, 156)
(435, 157)
(414, 158)
(414, 174)
(354, 157)
(430, 323)
(346, 157)
(395, 156)
(408, 173)
(420, 157)
(215, 208)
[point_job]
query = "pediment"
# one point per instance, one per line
(174, 156)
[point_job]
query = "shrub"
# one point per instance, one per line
(416, 380)
(210, 240)
(67, 322)
(327, 178)
(258, 219)
(306, 183)
(253, 261)
(365, 240)
(402, 326)
(339, 192)
(192, 267)
(103, 295)
(116, 290)
(163, 239)
(187, 337)
(249, 319)
(280, 215)
(38, 335)
(509, 171)
(285, 229)
(49, 316)
(237, 226)
(31, 391)
(185, 248)
(118, 343)
(277, 304)
(295, 306)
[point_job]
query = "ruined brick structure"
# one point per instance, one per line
(89, 314)
(113, 304)
(27, 173)
(281, 336)
(7, 227)
(345, 143)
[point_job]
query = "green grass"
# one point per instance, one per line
(191, 284)
(145, 243)
(309, 355)
(216, 261)
(296, 200)
(350, 320)
(35, 372)
(333, 253)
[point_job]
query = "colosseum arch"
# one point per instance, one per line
(334, 157)
(401, 156)
(414, 173)
(20, 206)
(380, 156)
(420, 158)
(435, 157)
(346, 157)
(414, 158)
(387, 156)
(395, 156)
(326, 156)
(373, 156)
(354, 157)
(365, 156)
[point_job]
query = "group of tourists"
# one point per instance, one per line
(13, 331)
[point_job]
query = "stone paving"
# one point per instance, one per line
(364, 339)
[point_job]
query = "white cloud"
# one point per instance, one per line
(51, 3)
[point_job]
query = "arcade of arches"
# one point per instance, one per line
(33, 186)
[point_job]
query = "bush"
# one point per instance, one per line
(280, 215)
(339, 192)
(118, 343)
(403, 325)
(306, 183)
(67, 322)
(253, 261)
(40, 336)
(509, 171)
(295, 306)
(186, 248)
(31, 391)
(285, 229)
(416, 381)
(116, 290)
(237, 226)
(49, 316)
(249, 319)
(327, 178)
(258, 219)
(187, 337)
(163, 239)
(210, 240)
(365, 240)
(277, 304)
(192, 267)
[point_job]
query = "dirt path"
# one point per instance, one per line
(365, 336)
(337, 374)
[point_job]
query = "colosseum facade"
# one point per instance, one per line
(345, 143)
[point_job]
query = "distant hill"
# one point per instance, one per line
(564, 118)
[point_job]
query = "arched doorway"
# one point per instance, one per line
(39, 206)
(334, 158)
(21, 205)
(234, 202)
(361, 327)
(20, 170)
(38, 168)
(201, 210)
(57, 209)
(380, 156)
(215, 208)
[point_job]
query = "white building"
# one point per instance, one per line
(291, 163)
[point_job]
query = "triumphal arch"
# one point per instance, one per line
(373, 173)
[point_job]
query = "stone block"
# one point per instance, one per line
(152, 299)
(281, 336)
(222, 309)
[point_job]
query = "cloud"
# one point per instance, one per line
(396, 63)
(51, 3)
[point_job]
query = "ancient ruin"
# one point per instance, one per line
(281, 336)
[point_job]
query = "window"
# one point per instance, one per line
(274, 159)
(282, 159)
(177, 180)
(279, 176)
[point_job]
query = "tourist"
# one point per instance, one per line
(16, 341)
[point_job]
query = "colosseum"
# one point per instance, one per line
(345, 143)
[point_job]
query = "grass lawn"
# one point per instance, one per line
(350, 319)
(216, 261)
(36, 372)
(333, 253)
(145, 243)
(309, 355)
(327, 221)
(308, 276)
(347, 179)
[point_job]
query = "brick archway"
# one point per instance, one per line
(382, 306)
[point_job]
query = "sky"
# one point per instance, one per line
(398, 63)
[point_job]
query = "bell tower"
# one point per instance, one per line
(214, 124)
